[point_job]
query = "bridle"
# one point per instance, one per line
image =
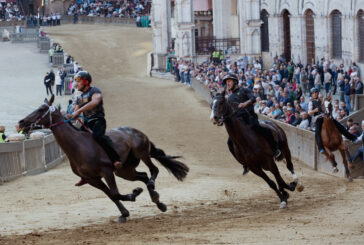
(49, 111)
(224, 115)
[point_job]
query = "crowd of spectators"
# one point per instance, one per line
(283, 91)
(119, 8)
(10, 11)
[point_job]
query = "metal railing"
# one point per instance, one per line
(206, 45)
(28, 157)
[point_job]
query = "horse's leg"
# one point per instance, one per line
(281, 183)
(151, 182)
(97, 183)
(110, 180)
(342, 149)
(331, 158)
(153, 171)
(260, 172)
(231, 149)
(287, 155)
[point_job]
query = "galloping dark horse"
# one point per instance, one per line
(251, 149)
(89, 161)
(332, 140)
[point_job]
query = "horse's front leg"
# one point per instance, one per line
(97, 183)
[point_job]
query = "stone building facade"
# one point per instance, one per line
(302, 30)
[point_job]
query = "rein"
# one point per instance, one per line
(52, 109)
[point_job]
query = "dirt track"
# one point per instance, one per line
(215, 204)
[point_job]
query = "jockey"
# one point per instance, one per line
(242, 100)
(91, 105)
(316, 110)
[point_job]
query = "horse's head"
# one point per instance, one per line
(219, 109)
(328, 110)
(40, 118)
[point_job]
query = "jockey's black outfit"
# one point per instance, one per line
(247, 115)
(97, 123)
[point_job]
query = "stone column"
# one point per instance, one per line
(185, 29)
(161, 26)
(249, 19)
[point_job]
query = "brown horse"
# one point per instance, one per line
(332, 140)
(89, 161)
(252, 149)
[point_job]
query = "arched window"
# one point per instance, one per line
(336, 34)
(264, 31)
(310, 36)
(361, 35)
(287, 34)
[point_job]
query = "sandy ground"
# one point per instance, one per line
(22, 70)
(214, 205)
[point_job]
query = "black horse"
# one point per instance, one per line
(252, 150)
(89, 161)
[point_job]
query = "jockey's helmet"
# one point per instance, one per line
(314, 90)
(230, 76)
(84, 76)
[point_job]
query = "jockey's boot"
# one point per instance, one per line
(117, 165)
(81, 182)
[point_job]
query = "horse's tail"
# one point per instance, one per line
(177, 168)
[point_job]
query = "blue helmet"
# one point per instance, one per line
(314, 90)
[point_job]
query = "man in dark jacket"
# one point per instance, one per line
(242, 100)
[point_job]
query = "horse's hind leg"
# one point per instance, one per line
(287, 155)
(342, 149)
(332, 160)
(151, 183)
(97, 183)
(260, 172)
(281, 183)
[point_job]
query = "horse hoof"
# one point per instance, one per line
(283, 205)
(122, 219)
(137, 191)
(335, 170)
(352, 166)
(162, 207)
(300, 188)
(350, 179)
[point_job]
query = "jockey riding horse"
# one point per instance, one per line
(242, 101)
(315, 109)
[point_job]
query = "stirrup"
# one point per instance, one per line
(277, 154)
